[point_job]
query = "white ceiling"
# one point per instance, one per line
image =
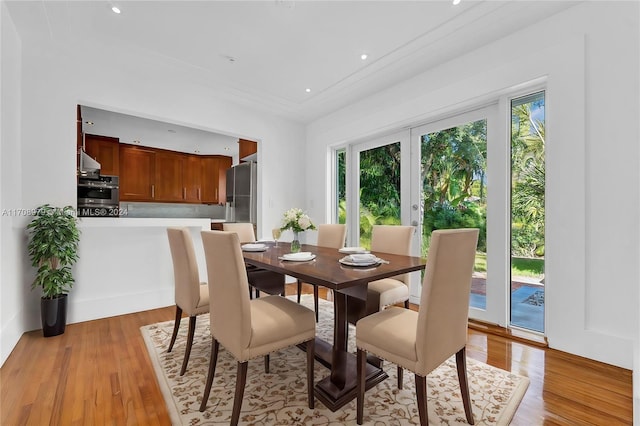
(282, 47)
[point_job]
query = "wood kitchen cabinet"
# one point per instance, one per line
(192, 178)
(246, 148)
(106, 151)
(151, 174)
(137, 177)
(168, 177)
(214, 178)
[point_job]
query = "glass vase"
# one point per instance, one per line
(295, 243)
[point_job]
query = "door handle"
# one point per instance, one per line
(199, 198)
(153, 191)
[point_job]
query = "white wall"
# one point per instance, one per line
(13, 294)
(591, 73)
(47, 81)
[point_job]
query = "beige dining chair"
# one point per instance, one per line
(191, 295)
(249, 328)
(393, 239)
(259, 279)
(421, 341)
(330, 235)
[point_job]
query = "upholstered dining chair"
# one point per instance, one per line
(191, 295)
(330, 235)
(421, 341)
(259, 279)
(394, 239)
(249, 328)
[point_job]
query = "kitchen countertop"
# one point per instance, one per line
(122, 222)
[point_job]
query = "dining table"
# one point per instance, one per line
(351, 301)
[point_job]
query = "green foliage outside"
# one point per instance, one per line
(454, 184)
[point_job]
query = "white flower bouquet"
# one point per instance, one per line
(296, 220)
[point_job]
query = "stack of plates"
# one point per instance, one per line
(360, 260)
(254, 247)
(302, 256)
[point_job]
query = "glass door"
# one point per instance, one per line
(458, 184)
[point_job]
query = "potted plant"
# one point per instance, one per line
(53, 250)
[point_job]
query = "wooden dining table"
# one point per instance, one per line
(351, 302)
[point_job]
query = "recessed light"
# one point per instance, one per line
(136, 141)
(226, 148)
(307, 90)
(115, 9)
(363, 56)
(456, 2)
(90, 123)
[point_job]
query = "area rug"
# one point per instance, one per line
(279, 398)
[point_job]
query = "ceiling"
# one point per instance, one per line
(265, 54)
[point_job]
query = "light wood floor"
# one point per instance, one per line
(98, 372)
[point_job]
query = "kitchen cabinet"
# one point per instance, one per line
(246, 149)
(168, 176)
(150, 174)
(214, 178)
(192, 178)
(106, 151)
(137, 177)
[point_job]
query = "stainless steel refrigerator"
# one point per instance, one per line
(241, 203)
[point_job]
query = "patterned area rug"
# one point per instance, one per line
(279, 398)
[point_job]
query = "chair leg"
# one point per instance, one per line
(461, 364)
(176, 326)
(266, 364)
(361, 366)
(311, 348)
(315, 301)
(215, 345)
(187, 350)
(241, 380)
(421, 391)
(250, 292)
(299, 290)
(400, 377)
(406, 304)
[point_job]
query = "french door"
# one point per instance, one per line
(460, 176)
(467, 170)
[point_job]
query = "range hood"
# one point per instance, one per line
(88, 166)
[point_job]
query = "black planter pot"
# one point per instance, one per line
(53, 313)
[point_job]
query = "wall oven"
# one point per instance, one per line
(98, 196)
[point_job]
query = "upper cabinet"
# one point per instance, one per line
(137, 179)
(214, 168)
(247, 150)
(150, 174)
(105, 150)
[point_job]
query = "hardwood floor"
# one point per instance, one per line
(98, 372)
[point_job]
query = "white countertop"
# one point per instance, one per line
(122, 222)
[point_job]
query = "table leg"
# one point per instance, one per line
(339, 388)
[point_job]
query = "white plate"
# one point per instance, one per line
(303, 256)
(254, 247)
(353, 250)
(345, 261)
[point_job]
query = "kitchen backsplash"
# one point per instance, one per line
(128, 209)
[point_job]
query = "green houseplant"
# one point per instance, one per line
(53, 250)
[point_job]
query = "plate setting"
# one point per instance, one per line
(254, 247)
(360, 260)
(303, 256)
(353, 250)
